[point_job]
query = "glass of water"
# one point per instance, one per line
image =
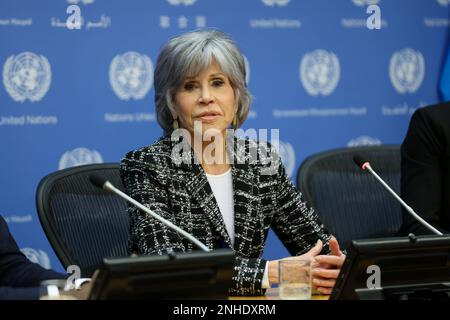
(55, 289)
(295, 279)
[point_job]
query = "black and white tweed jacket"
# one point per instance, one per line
(180, 192)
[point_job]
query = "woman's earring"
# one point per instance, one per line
(235, 122)
(175, 123)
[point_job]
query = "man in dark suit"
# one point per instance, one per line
(19, 277)
(425, 176)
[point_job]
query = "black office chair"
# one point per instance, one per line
(83, 223)
(349, 201)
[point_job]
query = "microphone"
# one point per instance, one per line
(365, 165)
(104, 184)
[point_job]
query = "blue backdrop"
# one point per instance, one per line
(316, 71)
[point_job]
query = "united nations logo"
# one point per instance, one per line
(27, 76)
(363, 3)
(78, 157)
(319, 72)
(37, 256)
(271, 3)
(287, 154)
(178, 2)
(131, 75)
(444, 3)
(406, 70)
(363, 141)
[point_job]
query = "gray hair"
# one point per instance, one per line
(186, 56)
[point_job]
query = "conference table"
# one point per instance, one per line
(272, 294)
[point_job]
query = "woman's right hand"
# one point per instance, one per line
(273, 265)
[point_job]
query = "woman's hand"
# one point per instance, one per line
(273, 265)
(326, 268)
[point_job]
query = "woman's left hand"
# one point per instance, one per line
(326, 268)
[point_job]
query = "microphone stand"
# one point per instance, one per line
(108, 186)
(367, 166)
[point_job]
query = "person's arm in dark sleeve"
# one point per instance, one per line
(295, 223)
(8, 293)
(15, 269)
(421, 173)
(145, 183)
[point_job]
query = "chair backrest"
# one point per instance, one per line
(83, 223)
(350, 202)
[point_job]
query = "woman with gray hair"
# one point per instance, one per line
(225, 191)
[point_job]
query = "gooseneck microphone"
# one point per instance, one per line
(104, 184)
(365, 165)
